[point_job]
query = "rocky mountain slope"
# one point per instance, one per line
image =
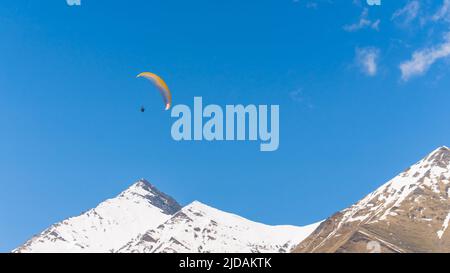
(410, 213)
(200, 228)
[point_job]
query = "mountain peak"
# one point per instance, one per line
(143, 181)
(143, 189)
(109, 225)
(439, 157)
(198, 205)
(142, 184)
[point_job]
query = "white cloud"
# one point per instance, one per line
(408, 13)
(423, 59)
(367, 60)
(364, 22)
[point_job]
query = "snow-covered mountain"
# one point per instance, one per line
(410, 213)
(110, 225)
(143, 219)
(200, 228)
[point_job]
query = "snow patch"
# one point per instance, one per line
(444, 226)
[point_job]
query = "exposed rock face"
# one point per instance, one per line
(410, 213)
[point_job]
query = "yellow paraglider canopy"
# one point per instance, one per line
(161, 85)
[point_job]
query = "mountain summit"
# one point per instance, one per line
(145, 191)
(410, 213)
(110, 225)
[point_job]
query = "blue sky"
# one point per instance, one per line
(363, 94)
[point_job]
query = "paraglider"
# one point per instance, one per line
(162, 87)
(142, 109)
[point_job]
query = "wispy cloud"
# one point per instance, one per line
(367, 60)
(364, 22)
(422, 60)
(408, 13)
(443, 13)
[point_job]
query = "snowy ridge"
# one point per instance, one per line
(200, 228)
